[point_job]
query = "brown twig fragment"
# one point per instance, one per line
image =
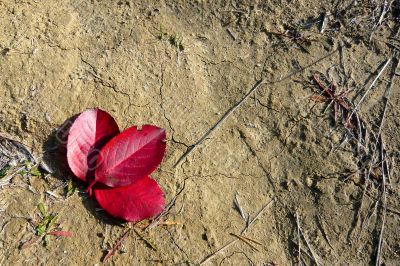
(117, 245)
(247, 241)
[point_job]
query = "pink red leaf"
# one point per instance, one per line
(60, 233)
(131, 155)
(89, 132)
(140, 200)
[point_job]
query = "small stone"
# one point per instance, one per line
(309, 181)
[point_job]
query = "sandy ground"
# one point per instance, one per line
(183, 66)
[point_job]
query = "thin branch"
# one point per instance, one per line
(219, 122)
(255, 87)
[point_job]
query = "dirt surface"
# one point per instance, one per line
(183, 66)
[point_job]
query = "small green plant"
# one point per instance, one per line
(35, 171)
(47, 225)
(47, 222)
(161, 33)
(70, 189)
(29, 169)
(4, 170)
(176, 41)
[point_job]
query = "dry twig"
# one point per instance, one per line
(314, 255)
(116, 245)
(255, 87)
(233, 241)
(369, 88)
(384, 203)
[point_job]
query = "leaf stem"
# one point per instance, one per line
(89, 188)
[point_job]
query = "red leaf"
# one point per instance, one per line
(131, 155)
(89, 132)
(60, 233)
(140, 200)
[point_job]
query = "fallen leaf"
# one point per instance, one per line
(131, 155)
(117, 165)
(89, 132)
(140, 200)
(61, 233)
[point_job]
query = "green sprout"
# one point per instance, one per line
(29, 169)
(71, 189)
(35, 171)
(161, 33)
(176, 41)
(4, 170)
(47, 225)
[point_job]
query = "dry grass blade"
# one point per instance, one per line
(148, 242)
(369, 88)
(384, 203)
(219, 122)
(251, 240)
(246, 240)
(324, 22)
(239, 207)
(233, 241)
(314, 255)
(299, 238)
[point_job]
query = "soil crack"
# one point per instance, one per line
(165, 113)
(254, 153)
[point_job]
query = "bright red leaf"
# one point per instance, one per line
(131, 155)
(120, 162)
(140, 200)
(61, 233)
(89, 132)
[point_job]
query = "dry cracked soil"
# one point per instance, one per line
(231, 82)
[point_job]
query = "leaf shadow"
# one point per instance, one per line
(55, 160)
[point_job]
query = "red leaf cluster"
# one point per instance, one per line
(117, 165)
